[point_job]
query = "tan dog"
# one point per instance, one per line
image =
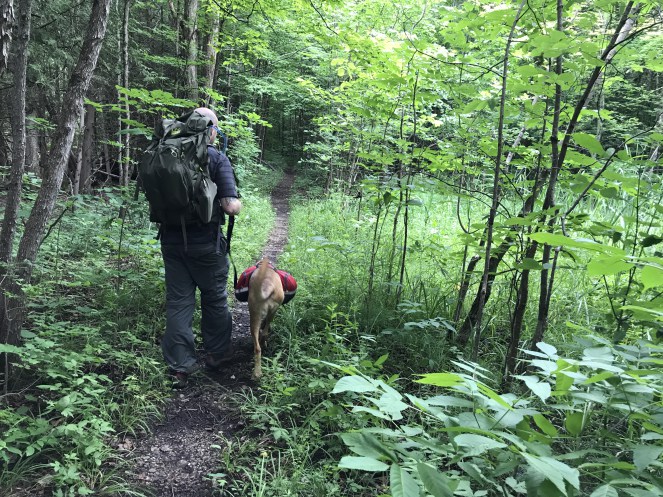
(265, 296)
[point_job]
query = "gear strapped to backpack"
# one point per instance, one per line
(175, 175)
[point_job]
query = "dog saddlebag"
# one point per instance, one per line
(289, 285)
(242, 286)
(287, 280)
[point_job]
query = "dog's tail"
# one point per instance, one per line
(270, 283)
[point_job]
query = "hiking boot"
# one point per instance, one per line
(182, 377)
(181, 380)
(214, 362)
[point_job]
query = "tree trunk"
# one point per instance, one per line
(6, 23)
(489, 268)
(107, 154)
(18, 124)
(87, 149)
(210, 66)
(624, 26)
(8, 285)
(125, 154)
(31, 148)
(57, 160)
(191, 40)
(75, 182)
(465, 285)
(518, 316)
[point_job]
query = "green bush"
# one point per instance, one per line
(588, 423)
(89, 367)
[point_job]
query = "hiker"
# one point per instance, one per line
(195, 256)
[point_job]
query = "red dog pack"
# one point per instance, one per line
(287, 280)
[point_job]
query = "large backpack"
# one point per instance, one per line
(174, 172)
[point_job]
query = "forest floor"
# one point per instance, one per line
(176, 457)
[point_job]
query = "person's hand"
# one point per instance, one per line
(231, 205)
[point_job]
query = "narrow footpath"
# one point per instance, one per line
(175, 459)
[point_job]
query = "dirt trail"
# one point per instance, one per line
(175, 459)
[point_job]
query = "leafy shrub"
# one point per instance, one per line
(89, 368)
(592, 424)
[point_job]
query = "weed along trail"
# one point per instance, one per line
(177, 458)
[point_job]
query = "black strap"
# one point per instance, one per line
(186, 247)
(231, 225)
(229, 234)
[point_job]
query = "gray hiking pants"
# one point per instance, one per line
(203, 268)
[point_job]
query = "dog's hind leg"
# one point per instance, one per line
(256, 322)
(264, 330)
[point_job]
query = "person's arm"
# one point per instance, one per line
(222, 175)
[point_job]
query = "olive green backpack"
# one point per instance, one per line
(174, 172)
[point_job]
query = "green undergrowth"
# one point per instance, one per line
(362, 393)
(90, 370)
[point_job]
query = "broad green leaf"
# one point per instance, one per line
(401, 482)
(589, 142)
(391, 405)
(652, 436)
(435, 482)
(650, 313)
(474, 369)
(493, 395)
(362, 464)
(598, 377)
(477, 444)
(607, 265)
(546, 426)
(374, 412)
(651, 276)
(603, 353)
(609, 192)
(10, 349)
(380, 360)
(533, 481)
(651, 240)
(538, 386)
(563, 382)
(645, 455)
(449, 401)
(573, 423)
(518, 221)
(473, 471)
(530, 265)
(555, 471)
(357, 384)
(641, 492)
(601, 365)
(547, 367)
(367, 445)
(441, 379)
(547, 349)
(474, 105)
(556, 239)
(605, 491)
